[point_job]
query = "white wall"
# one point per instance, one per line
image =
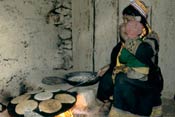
(28, 47)
(105, 31)
(164, 23)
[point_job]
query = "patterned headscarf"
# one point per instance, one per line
(137, 8)
(140, 7)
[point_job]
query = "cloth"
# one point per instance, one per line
(105, 87)
(134, 96)
(140, 6)
(129, 59)
(129, 94)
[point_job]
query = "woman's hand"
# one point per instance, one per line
(102, 71)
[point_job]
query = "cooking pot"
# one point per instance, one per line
(81, 78)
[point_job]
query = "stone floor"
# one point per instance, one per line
(168, 108)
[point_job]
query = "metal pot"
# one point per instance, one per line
(81, 78)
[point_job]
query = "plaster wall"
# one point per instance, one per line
(28, 49)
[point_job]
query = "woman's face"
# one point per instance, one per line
(130, 28)
(126, 19)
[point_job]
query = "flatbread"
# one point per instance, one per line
(81, 78)
(65, 98)
(52, 80)
(28, 105)
(53, 90)
(43, 96)
(50, 106)
(21, 98)
(35, 91)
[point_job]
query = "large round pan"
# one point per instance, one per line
(65, 106)
(82, 78)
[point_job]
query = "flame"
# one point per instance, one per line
(65, 114)
(80, 107)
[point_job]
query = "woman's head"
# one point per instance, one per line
(137, 8)
(138, 11)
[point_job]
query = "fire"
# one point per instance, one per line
(80, 107)
(65, 114)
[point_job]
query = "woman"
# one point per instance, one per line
(133, 80)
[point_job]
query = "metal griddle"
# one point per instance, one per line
(65, 107)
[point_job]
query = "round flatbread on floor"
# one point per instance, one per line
(35, 92)
(20, 98)
(52, 90)
(43, 96)
(50, 106)
(52, 80)
(65, 98)
(28, 105)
